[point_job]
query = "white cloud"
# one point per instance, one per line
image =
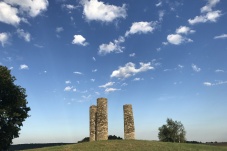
(67, 82)
(9, 14)
(141, 28)
(92, 80)
(68, 88)
(130, 70)
(196, 68)
(22, 34)
(223, 36)
(132, 55)
(175, 39)
(161, 14)
(138, 79)
(184, 30)
(79, 73)
(108, 90)
(219, 70)
(97, 10)
(112, 47)
(32, 7)
(24, 67)
(94, 58)
(124, 84)
(180, 66)
(4, 38)
(95, 70)
(74, 90)
(158, 4)
(69, 6)
(214, 84)
(59, 29)
(107, 85)
(207, 84)
(79, 40)
(207, 14)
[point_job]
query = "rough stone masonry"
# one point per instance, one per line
(93, 126)
(102, 119)
(129, 129)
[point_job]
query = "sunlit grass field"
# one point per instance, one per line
(133, 145)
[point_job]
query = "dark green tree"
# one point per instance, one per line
(13, 108)
(173, 131)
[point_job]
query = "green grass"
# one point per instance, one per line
(133, 145)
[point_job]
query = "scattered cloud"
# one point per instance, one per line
(141, 28)
(79, 40)
(132, 55)
(98, 11)
(161, 14)
(207, 13)
(68, 82)
(196, 68)
(184, 30)
(124, 84)
(23, 67)
(79, 73)
(25, 35)
(4, 37)
(92, 80)
(59, 29)
(129, 70)
(38, 46)
(95, 70)
(138, 79)
(93, 58)
(214, 84)
(179, 37)
(69, 7)
(158, 4)
(223, 36)
(68, 88)
(219, 70)
(74, 90)
(107, 85)
(108, 90)
(180, 66)
(112, 47)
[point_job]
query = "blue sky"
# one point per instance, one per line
(166, 58)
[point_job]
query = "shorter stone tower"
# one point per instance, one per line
(93, 121)
(102, 119)
(129, 129)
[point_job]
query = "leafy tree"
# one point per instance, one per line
(173, 131)
(13, 108)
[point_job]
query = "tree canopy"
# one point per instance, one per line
(13, 108)
(173, 131)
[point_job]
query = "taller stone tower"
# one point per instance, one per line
(102, 119)
(93, 121)
(129, 129)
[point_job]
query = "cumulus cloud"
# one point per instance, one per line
(184, 30)
(79, 40)
(223, 36)
(108, 90)
(9, 14)
(112, 47)
(67, 82)
(68, 88)
(107, 85)
(4, 38)
(207, 84)
(129, 70)
(25, 35)
(141, 28)
(196, 68)
(207, 13)
(69, 6)
(13, 11)
(31, 7)
(98, 11)
(180, 37)
(24, 67)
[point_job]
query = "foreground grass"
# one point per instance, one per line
(133, 145)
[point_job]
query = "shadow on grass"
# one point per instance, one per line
(34, 146)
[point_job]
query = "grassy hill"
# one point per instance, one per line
(133, 145)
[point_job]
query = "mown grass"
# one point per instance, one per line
(132, 145)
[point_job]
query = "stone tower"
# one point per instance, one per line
(102, 119)
(93, 121)
(129, 129)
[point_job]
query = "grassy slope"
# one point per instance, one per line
(133, 145)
